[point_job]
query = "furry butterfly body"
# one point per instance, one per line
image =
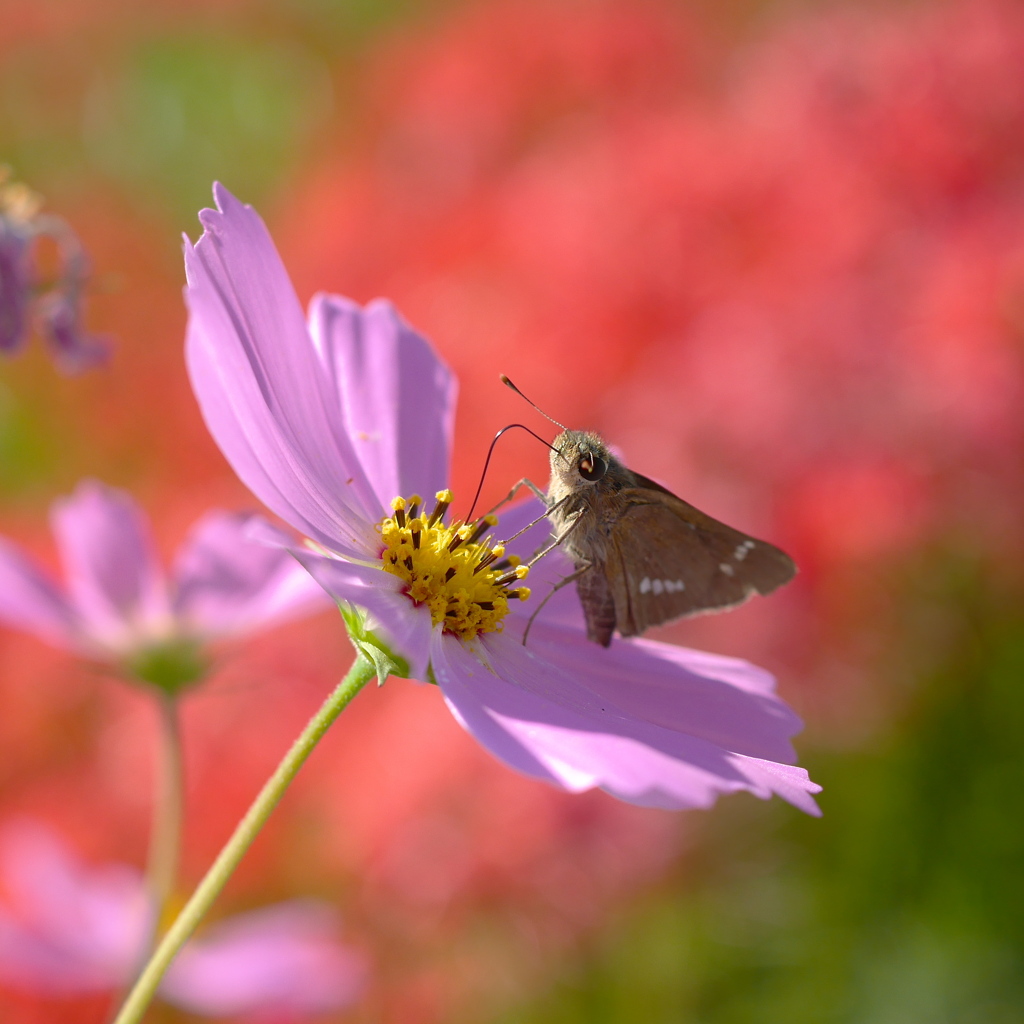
(642, 555)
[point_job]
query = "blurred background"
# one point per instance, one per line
(775, 253)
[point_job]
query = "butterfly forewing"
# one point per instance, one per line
(667, 559)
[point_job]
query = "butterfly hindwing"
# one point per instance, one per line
(598, 605)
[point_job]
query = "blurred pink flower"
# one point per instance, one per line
(69, 928)
(284, 957)
(118, 606)
(327, 423)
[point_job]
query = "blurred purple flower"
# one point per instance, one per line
(15, 286)
(69, 928)
(60, 321)
(118, 606)
(59, 309)
(329, 423)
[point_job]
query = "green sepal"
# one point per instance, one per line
(172, 666)
(370, 646)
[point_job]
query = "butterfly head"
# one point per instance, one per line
(580, 459)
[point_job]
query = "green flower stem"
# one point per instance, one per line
(248, 828)
(168, 802)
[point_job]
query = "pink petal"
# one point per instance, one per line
(541, 721)
(264, 393)
(33, 963)
(228, 583)
(70, 927)
(393, 618)
(396, 396)
(403, 626)
(726, 701)
(285, 958)
(469, 695)
(114, 577)
(30, 600)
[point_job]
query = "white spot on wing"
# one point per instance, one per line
(649, 586)
(727, 569)
(742, 550)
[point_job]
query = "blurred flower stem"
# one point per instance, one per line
(168, 807)
(361, 672)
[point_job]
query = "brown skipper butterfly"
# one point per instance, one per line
(642, 555)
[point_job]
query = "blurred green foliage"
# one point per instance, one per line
(29, 451)
(181, 112)
(901, 906)
(166, 111)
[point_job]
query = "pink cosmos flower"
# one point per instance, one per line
(69, 928)
(340, 425)
(118, 606)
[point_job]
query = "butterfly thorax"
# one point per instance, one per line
(585, 480)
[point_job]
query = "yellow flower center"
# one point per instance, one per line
(18, 203)
(456, 570)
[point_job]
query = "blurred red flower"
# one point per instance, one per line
(748, 271)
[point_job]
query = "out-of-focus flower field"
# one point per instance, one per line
(775, 254)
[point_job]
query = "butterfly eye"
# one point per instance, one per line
(592, 467)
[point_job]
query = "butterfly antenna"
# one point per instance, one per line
(509, 384)
(487, 461)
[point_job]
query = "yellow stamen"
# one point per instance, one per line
(441, 567)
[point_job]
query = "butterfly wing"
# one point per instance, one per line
(667, 559)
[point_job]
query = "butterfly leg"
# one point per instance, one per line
(538, 555)
(530, 526)
(571, 578)
(581, 567)
(525, 482)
